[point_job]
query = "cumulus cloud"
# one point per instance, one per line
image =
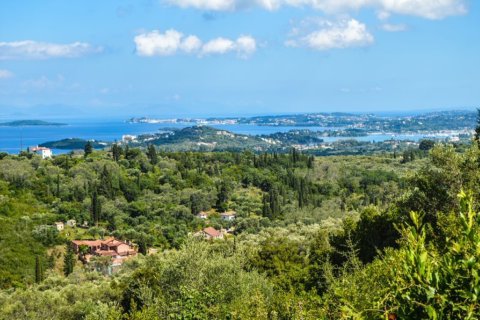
(218, 46)
(430, 9)
(5, 74)
(171, 42)
(29, 49)
(331, 35)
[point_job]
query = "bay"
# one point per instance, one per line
(12, 139)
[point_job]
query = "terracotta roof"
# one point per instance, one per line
(90, 243)
(110, 253)
(212, 232)
(112, 242)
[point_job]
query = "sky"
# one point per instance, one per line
(170, 58)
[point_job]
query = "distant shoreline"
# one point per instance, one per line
(28, 123)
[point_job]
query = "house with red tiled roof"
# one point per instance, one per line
(118, 250)
(210, 233)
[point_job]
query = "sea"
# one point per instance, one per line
(14, 139)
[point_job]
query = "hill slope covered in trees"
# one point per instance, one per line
(314, 237)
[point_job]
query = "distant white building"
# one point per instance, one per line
(72, 223)
(228, 216)
(42, 151)
(128, 138)
(202, 215)
(59, 225)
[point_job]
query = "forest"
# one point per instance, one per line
(386, 236)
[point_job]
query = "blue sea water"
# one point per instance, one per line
(12, 139)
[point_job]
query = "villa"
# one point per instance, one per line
(42, 151)
(118, 250)
(210, 233)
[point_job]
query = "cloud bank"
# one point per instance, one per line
(171, 42)
(29, 49)
(430, 9)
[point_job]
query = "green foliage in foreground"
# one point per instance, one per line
(420, 280)
(340, 238)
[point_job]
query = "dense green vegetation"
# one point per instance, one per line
(344, 237)
(21, 123)
(73, 144)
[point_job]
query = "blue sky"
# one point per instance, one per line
(237, 57)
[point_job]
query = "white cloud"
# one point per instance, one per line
(246, 46)
(218, 46)
(331, 35)
(171, 42)
(430, 9)
(191, 44)
(29, 49)
(5, 74)
(394, 27)
(155, 43)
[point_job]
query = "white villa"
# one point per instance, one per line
(42, 151)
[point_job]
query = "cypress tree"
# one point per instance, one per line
(222, 197)
(95, 208)
(152, 154)
(477, 128)
(69, 260)
(58, 185)
(38, 270)
(116, 152)
(310, 162)
(88, 149)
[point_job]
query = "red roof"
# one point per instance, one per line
(90, 243)
(212, 232)
(39, 148)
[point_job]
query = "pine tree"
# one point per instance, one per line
(69, 260)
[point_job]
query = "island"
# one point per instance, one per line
(25, 123)
(74, 144)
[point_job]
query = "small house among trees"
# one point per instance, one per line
(210, 233)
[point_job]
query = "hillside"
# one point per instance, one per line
(306, 231)
(73, 144)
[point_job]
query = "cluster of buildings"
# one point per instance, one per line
(225, 216)
(118, 250)
(60, 226)
(211, 233)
